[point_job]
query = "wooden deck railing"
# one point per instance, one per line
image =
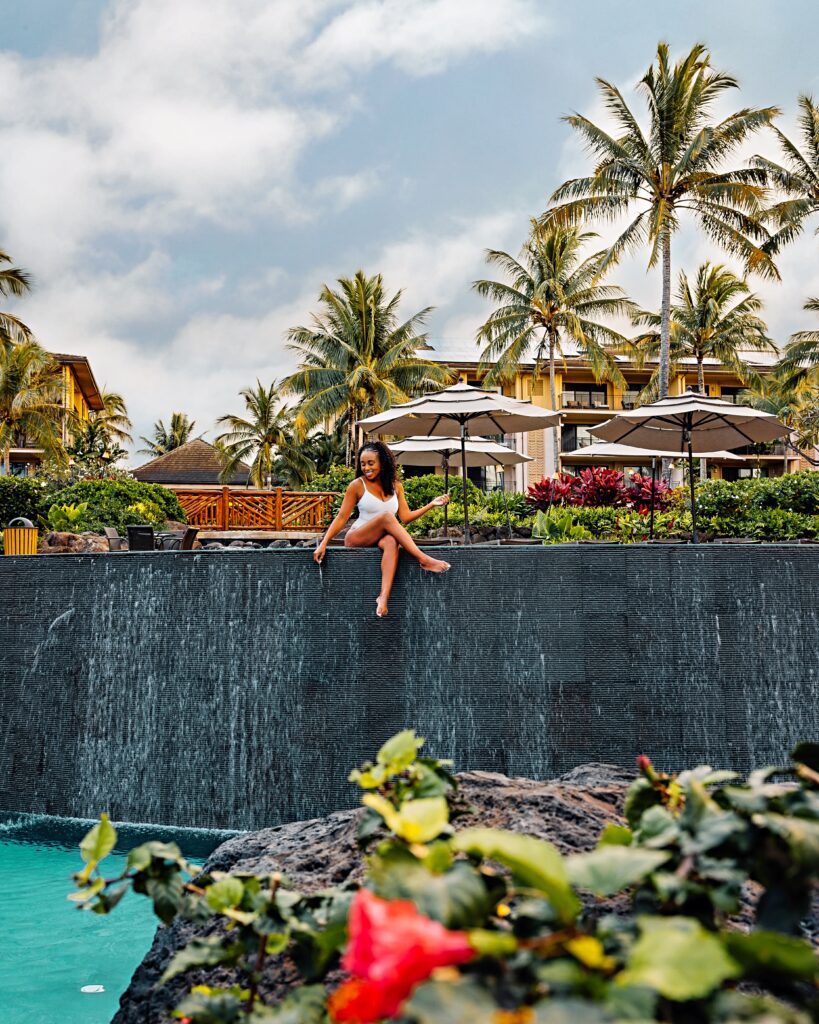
(245, 509)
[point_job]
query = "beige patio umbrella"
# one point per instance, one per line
(460, 409)
(446, 453)
(601, 450)
(688, 424)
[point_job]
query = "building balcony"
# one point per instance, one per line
(579, 399)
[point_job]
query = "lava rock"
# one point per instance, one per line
(73, 543)
(284, 543)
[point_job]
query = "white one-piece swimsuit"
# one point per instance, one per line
(369, 506)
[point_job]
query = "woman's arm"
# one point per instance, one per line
(406, 514)
(351, 496)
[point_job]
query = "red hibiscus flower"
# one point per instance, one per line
(391, 949)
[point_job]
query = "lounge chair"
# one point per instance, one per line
(113, 538)
(141, 538)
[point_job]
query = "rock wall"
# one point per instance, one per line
(234, 689)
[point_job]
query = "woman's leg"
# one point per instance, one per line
(371, 532)
(389, 563)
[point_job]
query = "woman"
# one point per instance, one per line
(379, 495)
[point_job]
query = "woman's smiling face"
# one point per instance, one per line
(370, 464)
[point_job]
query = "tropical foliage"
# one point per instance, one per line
(552, 297)
(117, 503)
(485, 924)
(796, 178)
(166, 439)
(31, 405)
(715, 319)
(264, 439)
(600, 488)
(16, 282)
(357, 357)
(677, 165)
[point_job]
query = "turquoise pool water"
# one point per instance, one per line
(50, 950)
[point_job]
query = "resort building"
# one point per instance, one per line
(80, 397)
(584, 402)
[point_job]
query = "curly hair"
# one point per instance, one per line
(389, 469)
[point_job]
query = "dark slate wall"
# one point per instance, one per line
(236, 689)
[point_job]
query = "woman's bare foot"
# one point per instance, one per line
(381, 609)
(434, 564)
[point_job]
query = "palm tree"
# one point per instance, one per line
(31, 401)
(798, 178)
(552, 296)
(357, 357)
(113, 417)
(264, 438)
(675, 167)
(800, 357)
(13, 281)
(717, 319)
(165, 439)
(794, 403)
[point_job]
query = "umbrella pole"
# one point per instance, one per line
(653, 486)
(691, 485)
(467, 539)
(446, 491)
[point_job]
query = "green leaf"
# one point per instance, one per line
(568, 1011)
(305, 1005)
(99, 842)
(141, 856)
(807, 753)
(87, 893)
(765, 955)
(487, 943)
(167, 895)
(533, 862)
(212, 1005)
(227, 892)
(615, 835)
(609, 869)
(631, 1003)
(399, 751)
(443, 1002)
(418, 821)
(678, 958)
(801, 835)
(657, 828)
(108, 900)
(640, 796)
(458, 898)
(202, 952)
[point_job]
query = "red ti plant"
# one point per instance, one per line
(549, 492)
(638, 493)
(601, 487)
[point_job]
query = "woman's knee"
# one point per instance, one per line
(388, 543)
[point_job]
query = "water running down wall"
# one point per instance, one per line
(235, 689)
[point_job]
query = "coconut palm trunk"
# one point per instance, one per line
(553, 396)
(665, 315)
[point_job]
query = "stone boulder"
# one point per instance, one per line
(72, 543)
(570, 811)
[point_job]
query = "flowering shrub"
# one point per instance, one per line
(485, 926)
(598, 487)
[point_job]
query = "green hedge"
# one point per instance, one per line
(24, 496)
(798, 492)
(119, 503)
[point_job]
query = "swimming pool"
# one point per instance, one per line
(51, 951)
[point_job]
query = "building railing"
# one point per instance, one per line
(583, 400)
(245, 509)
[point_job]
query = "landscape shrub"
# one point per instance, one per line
(798, 492)
(517, 503)
(763, 524)
(420, 490)
(111, 502)
(68, 518)
(146, 512)
(550, 491)
(24, 496)
(600, 487)
(639, 490)
(487, 925)
(558, 527)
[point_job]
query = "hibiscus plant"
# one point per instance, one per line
(486, 926)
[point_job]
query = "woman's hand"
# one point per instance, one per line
(442, 499)
(319, 553)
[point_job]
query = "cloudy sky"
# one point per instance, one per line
(180, 177)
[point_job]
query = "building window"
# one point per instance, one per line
(575, 435)
(585, 396)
